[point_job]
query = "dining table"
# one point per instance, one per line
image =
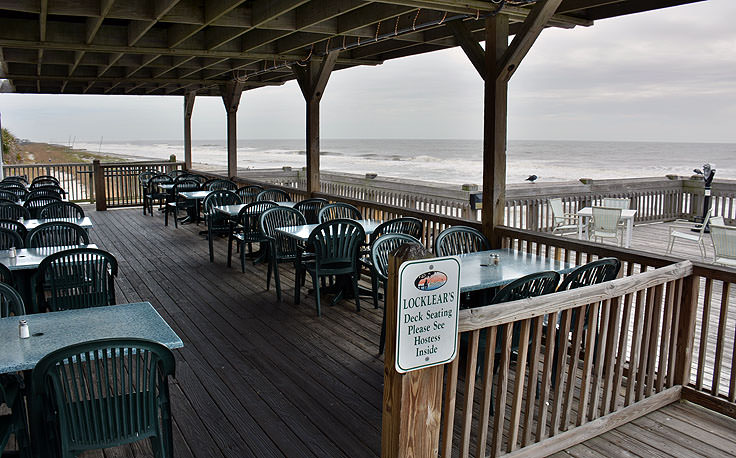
(85, 222)
(627, 215)
(52, 331)
(301, 233)
(479, 272)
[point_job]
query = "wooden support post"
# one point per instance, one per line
(494, 129)
(686, 330)
(231, 92)
(312, 81)
(99, 180)
(188, 108)
(412, 402)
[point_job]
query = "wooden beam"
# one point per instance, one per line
(495, 114)
(137, 80)
(470, 45)
(523, 41)
(188, 108)
(312, 81)
(412, 402)
(231, 92)
(269, 57)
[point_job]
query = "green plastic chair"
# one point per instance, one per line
(248, 230)
(44, 192)
(177, 173)
(104, 393)
(220, 184)
(154, 193)
(6, 276)
(174, 202)
(249, 193)
(282, 248)
(20, 191)
(336, 248)
(217, 223)
(14, 211)
(8, 195)
(48, 188)
(75, 279)
(44, 178)
(460, 240)
(35, 204)
(339, 210)
(9, 238)
(61, 210)
(22, 180)
(57, 233)
(310, 208)
(273, 195)
(532, 285)
(381, 248)
(13, 423)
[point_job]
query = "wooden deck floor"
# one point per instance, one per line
(257, 377)
(678, 430)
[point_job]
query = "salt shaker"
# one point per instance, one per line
(11, 252)
(496, 259)
(23, 330)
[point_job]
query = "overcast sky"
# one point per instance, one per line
(666, 75)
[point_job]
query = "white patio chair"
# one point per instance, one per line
(616, 202)
(562, 222)
(605, 224)
(724, 244)
(683, 230)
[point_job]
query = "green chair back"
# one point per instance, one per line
(339, 210)
(14, 212)
(274, 195)
(22, 180)
(220, 184)
(10, 302)
(336, 245)
(8, 195)
(43, 178)
(382, 247)
(61, 210)
(105, 393)
(218, 198)
(249, 219)
(404, 225)
(45, 188)
(9, 238)
(35, 204)
(75, 279)
(57, 233)
(460, 240)
(282, 246)
(6, 276)
(43, 192)
(249, 193)
(310, 209)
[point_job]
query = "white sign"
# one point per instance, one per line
(427, 315)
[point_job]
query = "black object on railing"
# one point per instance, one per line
(708, 173)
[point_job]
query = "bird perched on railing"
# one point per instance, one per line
(532, 178)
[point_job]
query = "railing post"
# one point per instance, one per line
(100, 194)
(412, 402)
(686, 329)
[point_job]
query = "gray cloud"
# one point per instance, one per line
(663, 75)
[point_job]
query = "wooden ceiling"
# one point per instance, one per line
(170, 47)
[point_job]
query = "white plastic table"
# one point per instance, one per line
(626, 214)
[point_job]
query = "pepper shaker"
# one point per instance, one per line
(11, 252)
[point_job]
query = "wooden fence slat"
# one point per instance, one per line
(720, 341)
(704, 327)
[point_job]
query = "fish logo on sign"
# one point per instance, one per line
(430, 280)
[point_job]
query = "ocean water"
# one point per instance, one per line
(453, 161)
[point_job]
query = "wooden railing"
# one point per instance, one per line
(117, 185)
(603, 352)
(76, 179)
(527, 207)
